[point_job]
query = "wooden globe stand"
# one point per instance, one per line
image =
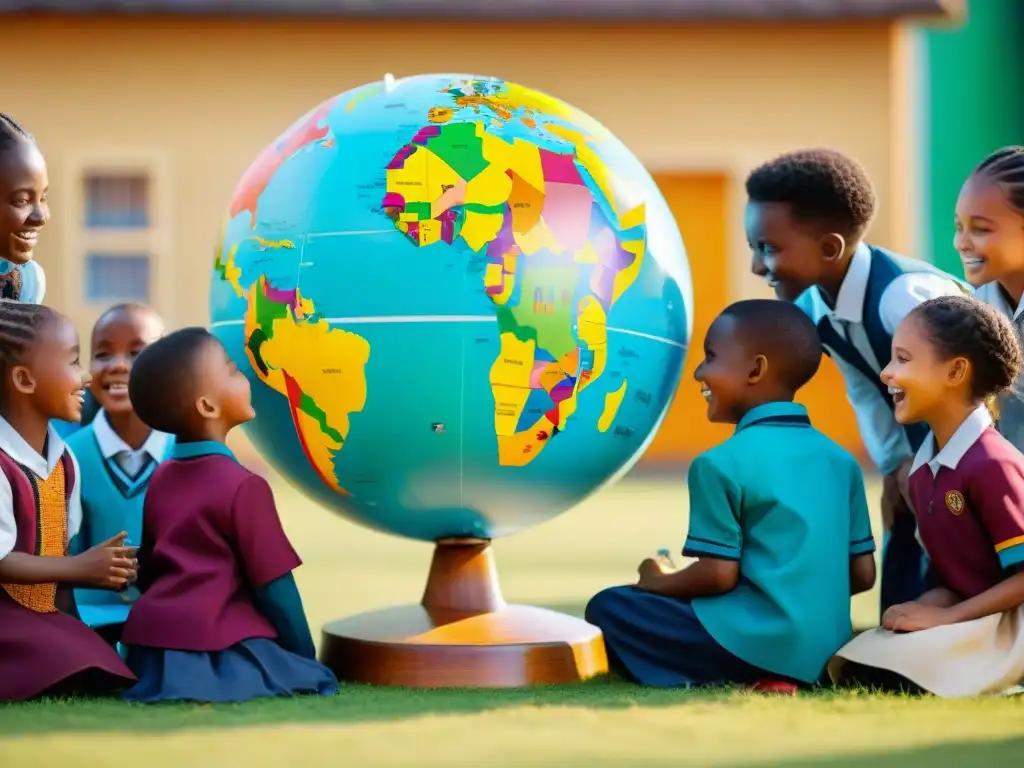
(463, 634)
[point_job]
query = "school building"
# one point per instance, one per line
(149, 112)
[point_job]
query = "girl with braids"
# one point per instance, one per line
(990, 240)
(44, 648)
(965, 635)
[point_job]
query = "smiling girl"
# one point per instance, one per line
(23, 189)
(990, 240)
(962, 637)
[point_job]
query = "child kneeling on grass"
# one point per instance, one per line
(778, 521)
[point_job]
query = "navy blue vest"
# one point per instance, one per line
(885, 267)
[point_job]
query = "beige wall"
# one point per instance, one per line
(194, 101)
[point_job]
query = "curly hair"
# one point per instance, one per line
(1005, 167)
(963, 326)
(819, 186)
(784, 334)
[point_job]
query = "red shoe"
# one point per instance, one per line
(778, 687)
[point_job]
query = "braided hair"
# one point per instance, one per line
(1005, 167)
(963, 326)
(19, 327)
(12, 131)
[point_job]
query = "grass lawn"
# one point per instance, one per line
(600, 723)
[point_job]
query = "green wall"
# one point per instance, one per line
(972, 102)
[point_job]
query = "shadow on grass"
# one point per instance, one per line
(966, 754)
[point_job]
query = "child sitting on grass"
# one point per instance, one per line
(118, 454)
(219, 618)
(963, 636)
(778, 522)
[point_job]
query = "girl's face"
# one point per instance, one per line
(23, 206)
(921, 383)
(52, 376)
(989, 233)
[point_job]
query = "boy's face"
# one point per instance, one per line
(989, 232)
(918, 380)
(117, 340)
(52, 375)
(784, 252)
(23, 207)
(726, 372)
(223, 391)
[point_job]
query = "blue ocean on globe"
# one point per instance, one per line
(463, 305)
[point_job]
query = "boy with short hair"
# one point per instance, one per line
(778, 522)
(807, 214)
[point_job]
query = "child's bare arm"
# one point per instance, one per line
(21, 568)
(862, 573)
(940, 597)
(707, 576)
(108, 566)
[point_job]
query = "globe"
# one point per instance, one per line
(462, 304)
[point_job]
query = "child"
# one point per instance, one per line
(117, 453)
(807, 215)
(963, 637)
(23, 187)
(990, 240)
(778, 520)
(219, 618)
(43, 650)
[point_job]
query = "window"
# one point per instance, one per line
(116, 201)
(118, 242)
(117, 277)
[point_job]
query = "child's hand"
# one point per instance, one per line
(109, 565)
(650, 570)
(914, 617)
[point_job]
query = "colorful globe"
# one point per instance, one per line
(463, 305)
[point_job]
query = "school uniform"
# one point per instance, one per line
(788, 504)
(879, 290)
(969, 503)
(43, 646)
(1011, 404)
(22, 282)
(115, 478)
(219, 618)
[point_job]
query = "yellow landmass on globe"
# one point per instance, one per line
(612, 401)
(320, 370)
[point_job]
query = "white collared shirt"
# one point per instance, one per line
(883, 436)
(966, 435)
(995, 296)
(14, 445)
(33, 280)
(1011, 404)
(113, 447)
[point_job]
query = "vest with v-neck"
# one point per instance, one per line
(112, 502)
(885, 268)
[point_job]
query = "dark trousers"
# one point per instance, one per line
(903, 564)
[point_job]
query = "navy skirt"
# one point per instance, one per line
(659, 641)
(251, 669)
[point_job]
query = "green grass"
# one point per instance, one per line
(348, 569)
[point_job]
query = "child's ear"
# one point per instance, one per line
(23, 380)
(958, 372)
(759, 370)
(833, 246)
(207, 408)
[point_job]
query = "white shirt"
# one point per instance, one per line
(966, 435)
(14, 445)
(113, 447)
(995, 296)
(33, 280)
(883, 436)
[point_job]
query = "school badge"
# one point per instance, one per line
(955, 502)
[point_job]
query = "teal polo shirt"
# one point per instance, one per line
(788, 503)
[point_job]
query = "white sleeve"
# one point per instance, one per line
(75, 500)
(8, 525)
(910, 289)
(883, 436)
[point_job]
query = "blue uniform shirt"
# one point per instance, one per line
(788, 503)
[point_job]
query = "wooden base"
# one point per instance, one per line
(463, 634)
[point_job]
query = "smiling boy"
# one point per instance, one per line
(807, 215)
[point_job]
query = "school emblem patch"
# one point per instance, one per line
(955, 502)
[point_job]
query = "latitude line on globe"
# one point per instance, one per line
(382, 319)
